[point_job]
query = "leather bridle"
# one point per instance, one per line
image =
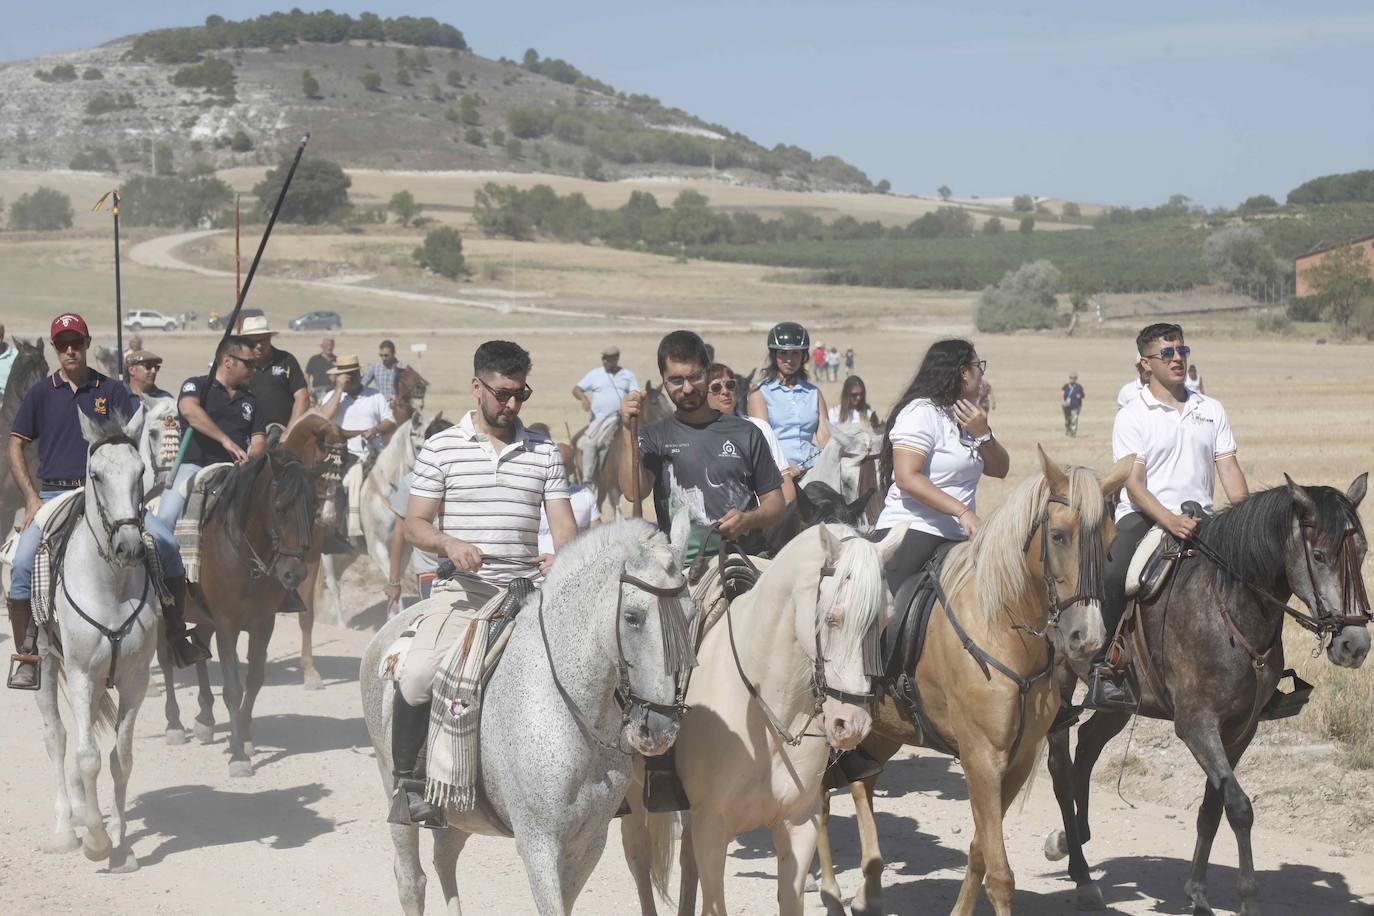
(1090, 586)
(304, 519)
(104, 546)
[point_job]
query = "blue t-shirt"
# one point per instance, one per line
(607, 390)
(48, 416)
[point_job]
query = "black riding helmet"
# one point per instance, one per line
(788, 335)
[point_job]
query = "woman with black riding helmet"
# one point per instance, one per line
(936, 448)
(793, 406)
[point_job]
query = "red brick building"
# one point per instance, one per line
(1314, 256)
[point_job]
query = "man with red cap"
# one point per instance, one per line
(48, 416)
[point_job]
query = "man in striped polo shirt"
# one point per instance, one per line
(475, 493)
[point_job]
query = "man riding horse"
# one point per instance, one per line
(1182, 440)
(475, 497)
(48, 416)
(600, 392)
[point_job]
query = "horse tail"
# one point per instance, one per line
(664, 830)
(106, 712)
(1024, 793)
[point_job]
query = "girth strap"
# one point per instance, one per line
(114, 636)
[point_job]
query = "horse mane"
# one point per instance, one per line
(1252, 535)
(236, 499)
(29, 366)
(610, 542)
(995, 557)
(859, 574)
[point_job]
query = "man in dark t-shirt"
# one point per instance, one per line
(1073, 403)
(278, 384)
(317, 369)
(723, 461)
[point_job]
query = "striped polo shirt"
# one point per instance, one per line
(491, 498)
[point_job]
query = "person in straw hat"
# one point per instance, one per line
(361, 412)
(278, 384)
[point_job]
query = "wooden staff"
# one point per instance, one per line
(636, 507)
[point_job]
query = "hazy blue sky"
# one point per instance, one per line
(1122, 103)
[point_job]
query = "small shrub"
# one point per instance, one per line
(514, 148)
(1024, 298)
(884, 187)
(310, 86)
(1027, 225)
(455, 78)
(498, 137)
(591, 168)
(105, 102)
(442, 252)
(474, 136)
(994, 226)
(404, 206)
(451, 114)
(1072, 210)
(403, 76)
(1305, 308)
(94, 159)
(42, 210)
(240, 142)
(92, 73)
(1269, 322)
(162, 160)
(372, 81)
(1023, 203)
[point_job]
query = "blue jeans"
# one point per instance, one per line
(21, 575)
(172, 502)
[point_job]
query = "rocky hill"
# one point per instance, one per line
(412, 95)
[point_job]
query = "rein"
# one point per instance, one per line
(257, 567)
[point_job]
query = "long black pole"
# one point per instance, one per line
(231, 325)
(122, 372)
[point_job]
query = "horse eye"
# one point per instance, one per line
(634, 620)
(1319, 556)
(1058, 537)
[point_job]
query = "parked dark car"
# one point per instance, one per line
(316, 321)
(216, 320)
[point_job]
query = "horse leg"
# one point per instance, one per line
(1092, 738)
(796, 847)
(709, 840)
(410, 877)
(544, 857)
(332, 590)
(637, 843)
(1223, 791)
(1067, 841)
(258, 637)
(988, 864)
(829, 888)
(687, 867)
(204, 724)
(309, 675)
(448, 844)
(227, 643)
(81, 693)
(176, 732)
(869, 900)
(131, 695)
(55, 739)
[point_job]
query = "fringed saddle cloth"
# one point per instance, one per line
(200, 492)
(353, 481)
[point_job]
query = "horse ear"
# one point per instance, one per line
(134, 428)
(830, 544)
(89, 431)
(681, 531)
(887, 549)
(1115, 478)
(805, 506)
(1307, 509)
(857, 506)
(1358, 487)
(1054, 475)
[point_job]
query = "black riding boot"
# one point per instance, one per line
(851, 767)
(663, 789)
(24, 662)
(1108, 687)
(409, 728)
(185, 650)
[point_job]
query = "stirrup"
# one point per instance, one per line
(664, 792)
(1111, 691)
(187, 650)
(410, 809)
(19, 664)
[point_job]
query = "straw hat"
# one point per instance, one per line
(344, 365)
(256, 326)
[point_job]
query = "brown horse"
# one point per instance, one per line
(411, 387)
(253, 549)
(1009, 597)
(607, 483)
(29, 366)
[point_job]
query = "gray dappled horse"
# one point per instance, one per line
(1214, 654)
(553, 781)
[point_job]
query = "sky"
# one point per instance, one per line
(1096, 102)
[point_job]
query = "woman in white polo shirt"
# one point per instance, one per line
(937, 447)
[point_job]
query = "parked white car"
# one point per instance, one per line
(138, 319)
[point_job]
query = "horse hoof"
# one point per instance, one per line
(1089, 898)
(1056, 846)
(176, 736)
(62, 842)
(240, 769)
(98, 849)
(313, 681)
(205, 734)
(127, 864)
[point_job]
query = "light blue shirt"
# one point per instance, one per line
(607, 391)
(794, 414)
(6, 364)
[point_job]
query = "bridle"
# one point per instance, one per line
(304, 519)
(1090, 586)
(103, 546)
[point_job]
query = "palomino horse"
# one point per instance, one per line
(587, 677)
(104, 632)
(29, 366)
(800, 648)
(1027, 584)
(1207, 653)
(253, 547)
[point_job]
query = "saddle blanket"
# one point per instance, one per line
(353, 486)
(199, 492)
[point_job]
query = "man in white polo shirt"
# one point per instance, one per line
(1182, 442)
(361, 412)
(475, 494)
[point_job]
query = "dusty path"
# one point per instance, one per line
(305, 833)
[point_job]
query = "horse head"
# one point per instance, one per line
(819, 502)
(320, 446)
(114, 486)
(160, 439)
(1323, 560)
(291, 503)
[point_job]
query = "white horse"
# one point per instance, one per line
(156, 440)
(796, 651)
(102, 582)
(555, 744)
(838, 464)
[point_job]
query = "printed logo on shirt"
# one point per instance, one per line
(247, 410)
(188, 388)
(278, 370)
(728, 450)
(101, 406)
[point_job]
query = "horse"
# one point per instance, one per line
(840, 464)
(410, 387)
(586, 677)
(29, 367)
(983, 681)
(103, 633)
(159, 441)
(816, 503)
(799, 648)
(393, 463)
(253, 544)
(1207, 653)
(655, 407)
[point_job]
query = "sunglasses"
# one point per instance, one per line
(678, 381)
(982, 365)
(725, 385)
(69, 343)
(1168, 353)
(247, 363)
(504, 394)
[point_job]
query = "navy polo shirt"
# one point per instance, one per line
(237, 416)
(48, 415)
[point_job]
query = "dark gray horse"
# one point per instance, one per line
(1208, 652)
(29, 366)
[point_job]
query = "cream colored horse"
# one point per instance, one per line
(781, 680)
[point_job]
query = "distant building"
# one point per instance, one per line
(1313, 256)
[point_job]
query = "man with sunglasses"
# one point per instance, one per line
(363, 413)
(1182, 442)
(48, 416)
(143, 367)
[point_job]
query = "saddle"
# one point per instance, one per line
(903, 642)
(1152, 564)
(56, 520)
(201, 491)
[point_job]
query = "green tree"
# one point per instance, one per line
(41, 210)
(1240, 256)
(404, 206)
(474, 136)
(591, 168)
(1024, 298)
(184, 200)
(529, 122)
(309, 85)
(994, 226)
(1027, 225)
(1259, 203)
(944, 192)
(1023, 203)
(240, 142)
(162, 160)
(467, 111)
(498, 137)
(319, 191)
(1072, 210)
(514, 148)
(372, 80)
(884, 187)
(1342, 285)
(92, 73)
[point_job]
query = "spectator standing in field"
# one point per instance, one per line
(1073, 403)
(381, 375)
(832, 363)
(600, 392)
(818, 361)
(1194, 381)
(317, 370)
(849, 361)
(1131, 390)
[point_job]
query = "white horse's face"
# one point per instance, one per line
(641, 639)
(114, 490)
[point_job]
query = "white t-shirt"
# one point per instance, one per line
(1192, 384)
(583, 502)
(953, 463)
(365, 411)
(1129, 392)
(855, 416)
(1179, 449)
(774, 446)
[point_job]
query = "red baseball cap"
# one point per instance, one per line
(69, 321)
